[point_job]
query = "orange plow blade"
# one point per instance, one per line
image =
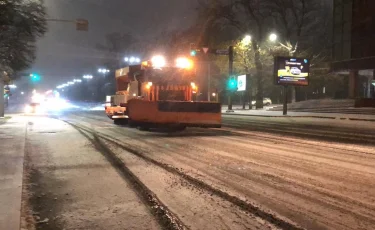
(164, 113)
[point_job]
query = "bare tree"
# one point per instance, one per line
(248, 17)
(21, 23)
(299, 24)
(305, 28)
(117, 45)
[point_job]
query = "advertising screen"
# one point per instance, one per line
(241, 83)
(292, 71)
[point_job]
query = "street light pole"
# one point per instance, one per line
(285, 103)
(250, 91)
(209, 80)
(230, 56)
(2, 109)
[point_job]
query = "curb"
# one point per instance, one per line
(4, 120)
(301, 116)
(360, 119)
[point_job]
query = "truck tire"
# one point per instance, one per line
(120, 121)
(132, 124)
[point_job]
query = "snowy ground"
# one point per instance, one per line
(72, 186)
(254, 173)
(267, 112)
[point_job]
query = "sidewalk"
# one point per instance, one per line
(267, 113)
(12, 148)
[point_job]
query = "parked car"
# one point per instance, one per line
(295, 71)
(266, 101)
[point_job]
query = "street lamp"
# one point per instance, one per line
(158, 61)
(104, 71)
(132, 59)
(184, 63)
(62, 86)
(246, 40)
(87, 76)
(273, 37)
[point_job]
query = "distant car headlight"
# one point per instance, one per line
(28, 109)
(39, 109)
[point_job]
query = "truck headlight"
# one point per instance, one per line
(28, 109)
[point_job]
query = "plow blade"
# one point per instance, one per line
(170, 113)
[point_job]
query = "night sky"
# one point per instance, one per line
(64, 53)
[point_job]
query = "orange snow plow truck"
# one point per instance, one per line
(157, 95)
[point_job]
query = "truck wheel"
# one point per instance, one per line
(120, 121)
(132, 124)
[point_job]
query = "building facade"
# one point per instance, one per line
(353, 49)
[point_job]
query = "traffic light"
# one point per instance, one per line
(232, 84)
(6, 91)
(194, 50)
(35, 77)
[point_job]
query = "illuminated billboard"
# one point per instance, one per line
(241, 83)
(292, 71)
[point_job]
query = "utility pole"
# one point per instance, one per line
(250, 90)
(209, 81)
(285, 103)
(230, 52)
(230, 56)
(244, 99)
(2, 109)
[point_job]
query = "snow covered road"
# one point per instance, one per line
(254, 173)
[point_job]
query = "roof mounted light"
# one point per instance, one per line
(158, 61)
(184, 63)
